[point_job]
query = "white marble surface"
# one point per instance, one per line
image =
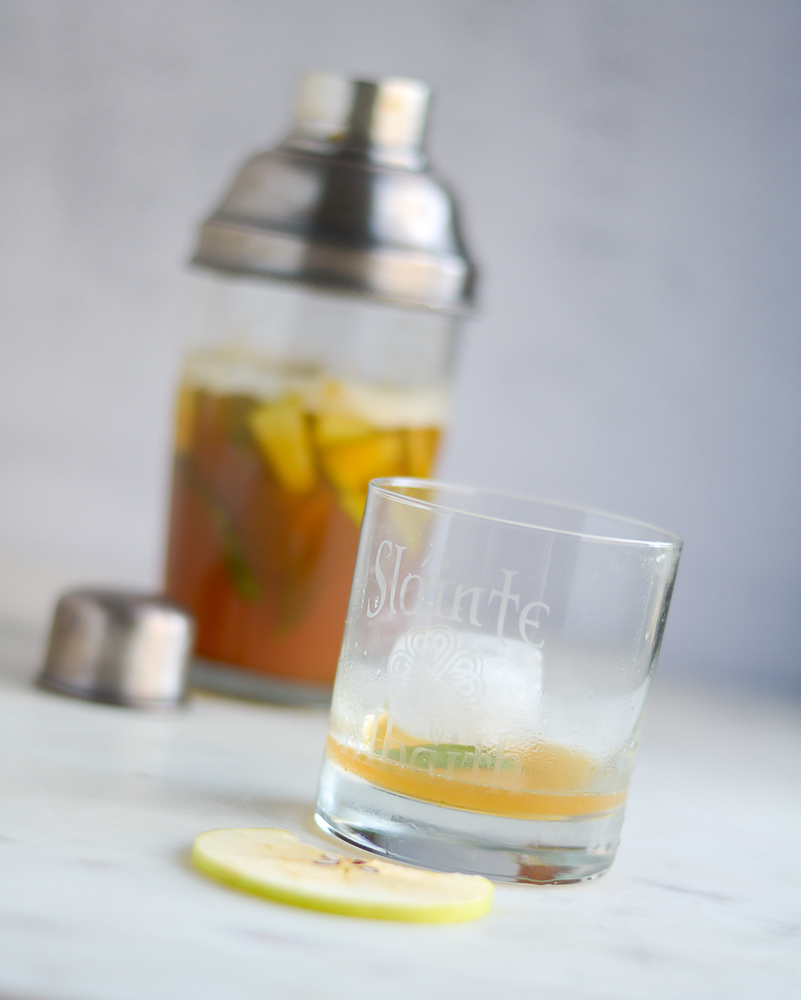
(98, 807)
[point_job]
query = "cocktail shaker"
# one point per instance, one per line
(332, 282)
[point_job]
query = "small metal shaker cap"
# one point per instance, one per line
(385, 119)
(119, 647)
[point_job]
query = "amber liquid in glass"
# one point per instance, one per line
(267, 498)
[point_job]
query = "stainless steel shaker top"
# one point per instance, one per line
(347, 203)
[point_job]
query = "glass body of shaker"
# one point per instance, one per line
(291, 400)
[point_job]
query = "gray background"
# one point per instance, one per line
(630, 176)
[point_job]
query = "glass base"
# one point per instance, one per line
(445, 839)
(221, 678)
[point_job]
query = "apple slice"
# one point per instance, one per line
(421, 448)
(351, 466)
(185, 411)
(282, 435)
(352, 503)
(337, 428)
(276, 864)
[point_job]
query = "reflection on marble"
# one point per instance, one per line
(99, 805)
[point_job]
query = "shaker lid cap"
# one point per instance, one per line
(119, 647)
(346, 202)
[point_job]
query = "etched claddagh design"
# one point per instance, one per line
(430, 670)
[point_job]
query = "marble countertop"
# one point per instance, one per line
(99, 806)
